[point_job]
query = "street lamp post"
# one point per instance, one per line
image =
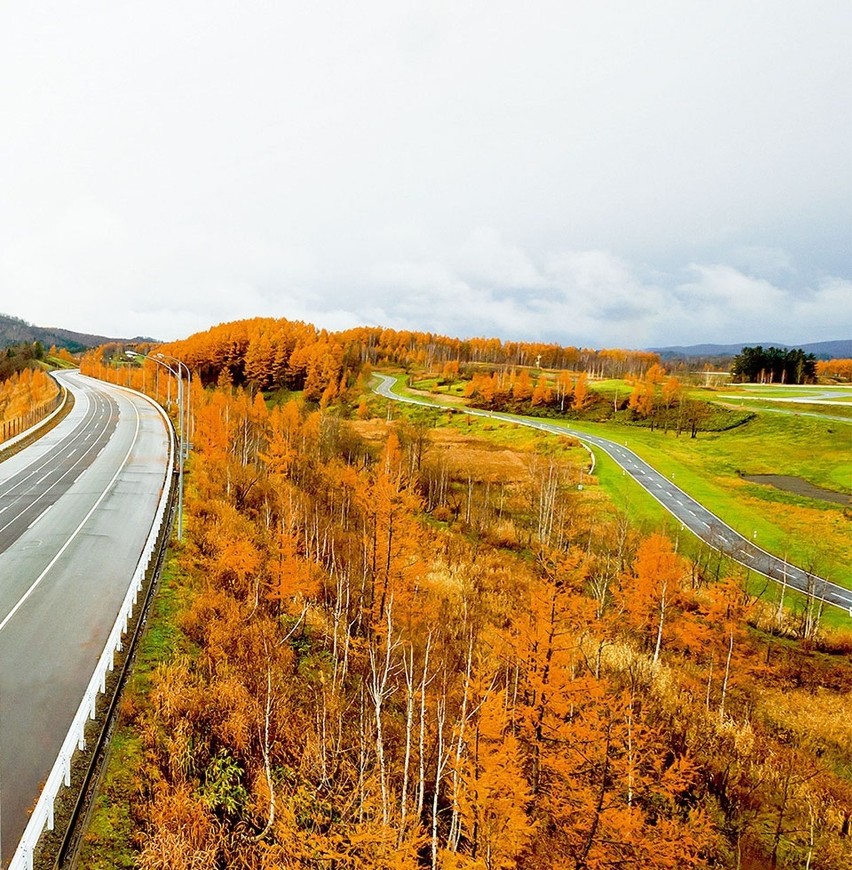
(182, 417)
(187, 424)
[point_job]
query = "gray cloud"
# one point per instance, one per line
(616, 173)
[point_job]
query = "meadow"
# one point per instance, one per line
(712, 468)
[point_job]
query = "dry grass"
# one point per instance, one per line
(464, 455)
(467, 456)
(821, 718)
(374, 430)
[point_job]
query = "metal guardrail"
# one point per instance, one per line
(41, 818)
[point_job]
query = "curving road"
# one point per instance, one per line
(690, 513)
(75, 511)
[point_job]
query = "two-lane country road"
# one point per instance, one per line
(691, 514)
(76, 508)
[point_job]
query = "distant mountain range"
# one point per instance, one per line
(841, 349)
(13, 330)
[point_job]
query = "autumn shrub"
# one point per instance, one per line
(837, 642)
(25, 396)
(442, 513)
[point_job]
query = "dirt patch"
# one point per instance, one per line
(466, 456)
(800, 487)
(373, 430)
(463, 455)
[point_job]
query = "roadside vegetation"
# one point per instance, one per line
(403, 638)
(654, 400)
(113, 838)
(27, 393)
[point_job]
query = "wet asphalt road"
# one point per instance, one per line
(75, 511)
(691, 514)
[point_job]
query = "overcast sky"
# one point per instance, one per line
(597, 173)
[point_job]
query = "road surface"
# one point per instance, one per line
(692, 515)
(812, 395)
(76, 508)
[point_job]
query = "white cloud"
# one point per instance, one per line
(592, 297)
(486, 261)
(544, 171)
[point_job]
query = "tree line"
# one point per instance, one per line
(656, 399)
(840, 369)
(27, 392)
(269, 354)
(774, 365)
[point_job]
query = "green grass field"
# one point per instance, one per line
(809, 532)
(789, 391)
(792, 409)
(109, 840)
(54, 362)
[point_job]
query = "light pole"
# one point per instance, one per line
(186, 426)
(182, 427)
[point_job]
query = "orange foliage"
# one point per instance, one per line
(841, 369)
(25, 398)
(581, 393)
(369, 687)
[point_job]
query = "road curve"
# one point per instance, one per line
(75, 511)
(690, 513)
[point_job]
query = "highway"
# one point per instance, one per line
(75, 511)
(690, 513)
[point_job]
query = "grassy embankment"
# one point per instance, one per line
(775, 398)
(55, 362)
(109, 842)
(809, 532)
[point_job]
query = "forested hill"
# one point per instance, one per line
(14, 330)
(268, 353)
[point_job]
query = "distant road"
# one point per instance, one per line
(76, 508)
(733, 401)
(789, 412)
(690, 513)
(813, 395)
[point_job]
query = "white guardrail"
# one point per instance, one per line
(60, 775)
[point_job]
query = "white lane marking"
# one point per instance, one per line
(34, 585)
(82, 433)
(55, 483)
(48, 459)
